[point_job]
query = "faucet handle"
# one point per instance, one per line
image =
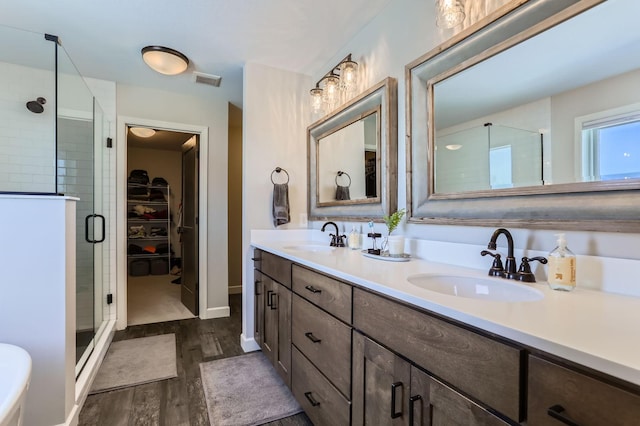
(340, 240)
(497, 270)
(524, 272)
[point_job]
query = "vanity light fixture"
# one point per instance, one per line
(164, 60)
(142, 132)
(449, 13)
(338, 85)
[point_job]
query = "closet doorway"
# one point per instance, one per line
(162, 265)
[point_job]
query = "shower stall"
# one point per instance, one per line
(54, 140)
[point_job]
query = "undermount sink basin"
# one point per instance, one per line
(496, 289)
(314, 248)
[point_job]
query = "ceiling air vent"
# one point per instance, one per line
(210, 79)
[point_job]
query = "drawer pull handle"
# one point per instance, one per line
(557, 412)
(394, 387)
(256, 286)
(312, 289)
(272, 301)
(269, 301)
(412, 402)
(311, 399)
(313, 338)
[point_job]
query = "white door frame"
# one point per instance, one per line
(121, 201)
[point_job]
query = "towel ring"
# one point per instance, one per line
(340, 173)
(278, 170)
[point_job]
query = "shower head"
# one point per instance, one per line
(36, 106)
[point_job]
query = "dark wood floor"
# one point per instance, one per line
(178, 401)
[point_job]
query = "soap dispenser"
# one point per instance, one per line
(354, 239)
(562, 266)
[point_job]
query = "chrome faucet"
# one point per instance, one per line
(337, 240)
(510, 261)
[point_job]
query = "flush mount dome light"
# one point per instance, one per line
(142, 132)
(453, 147)
(164, 60)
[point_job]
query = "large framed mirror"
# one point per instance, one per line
(530, 119)
(352, 157)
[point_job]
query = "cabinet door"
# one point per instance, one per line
(381, 383)
(432, 403)
(270, 335)
(283, 354)
(258, 307)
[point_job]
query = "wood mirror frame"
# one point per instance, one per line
(383, 98)
(597, 206)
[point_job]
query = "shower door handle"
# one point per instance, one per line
(86, 228)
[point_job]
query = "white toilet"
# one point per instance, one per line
(15, 371)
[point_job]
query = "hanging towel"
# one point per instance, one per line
(342, 193)
(280, 204)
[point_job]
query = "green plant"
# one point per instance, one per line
(392, 221)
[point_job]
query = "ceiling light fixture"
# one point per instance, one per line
(449, 13)
(338, 85)
(453, 147)
(142, 132)
(164, 60)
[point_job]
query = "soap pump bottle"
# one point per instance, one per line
(562, 266)
(354, 239)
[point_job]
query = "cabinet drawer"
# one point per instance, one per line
(331, 295)
(322, 402)
(583, 399)
(276, 267)
(325, 341)
(478, 366)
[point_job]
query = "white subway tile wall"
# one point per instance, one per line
(27, 148)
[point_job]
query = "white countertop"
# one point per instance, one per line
(596, 329)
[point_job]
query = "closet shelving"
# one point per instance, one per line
(148, 222)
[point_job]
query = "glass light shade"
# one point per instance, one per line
(316, 100)
(449, 13)
(165, 60)
(142, 132)
(331, 92)
(349, 75)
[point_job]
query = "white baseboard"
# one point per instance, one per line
(221, 312)
(235, 289)
(85, 380)
(249, 345)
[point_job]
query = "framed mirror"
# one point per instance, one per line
(352, 158)
(530, 119)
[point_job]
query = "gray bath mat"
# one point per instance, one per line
(137, 361)
(245, 390)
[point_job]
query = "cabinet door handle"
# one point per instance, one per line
(312, 289)
(269, 301)
(557, 412)
(394, 387)
(256, 286)
(256, 259)
(313, 338)
(311, 399)
(272, 301)
(412, 402)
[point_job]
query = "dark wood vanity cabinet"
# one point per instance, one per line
(272, 310)
(558, 395)
(351, 356)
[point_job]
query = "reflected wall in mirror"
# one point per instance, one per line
(353, 158)
(528, 119)
(347, 161)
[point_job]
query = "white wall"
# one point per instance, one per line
(275, 117)
(400, 34)
(207, 111)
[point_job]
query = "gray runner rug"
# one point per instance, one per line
(137, 361)
(245, 390)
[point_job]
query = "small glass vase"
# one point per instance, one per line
(393, 245)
